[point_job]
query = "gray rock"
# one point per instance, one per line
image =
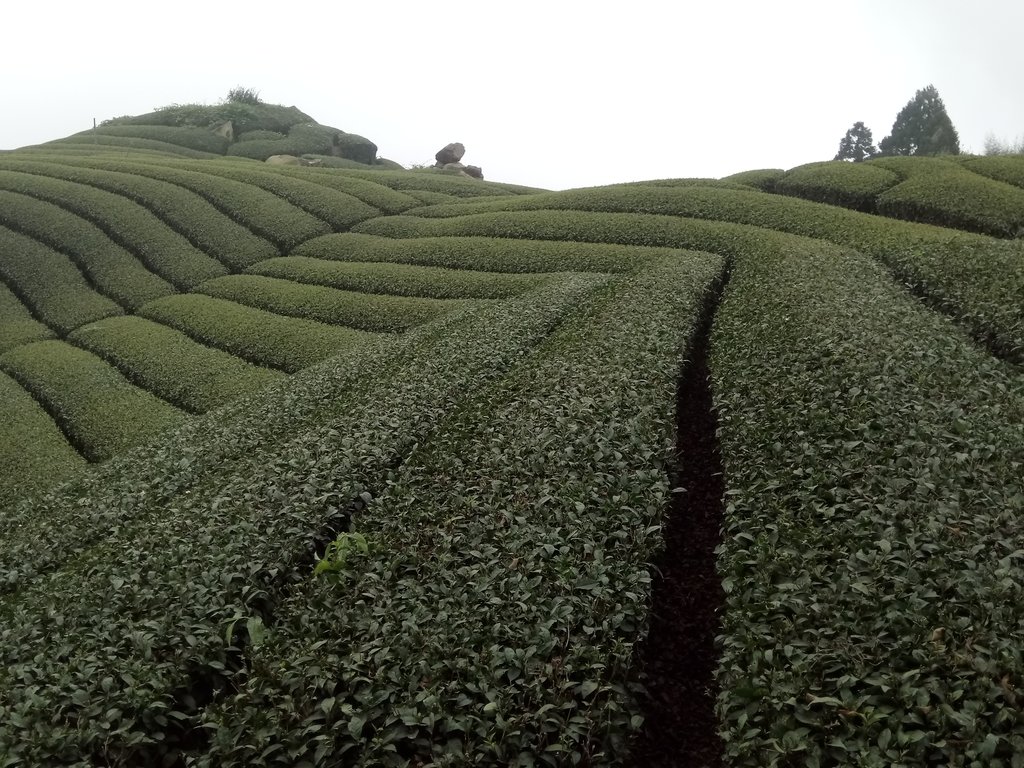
(475, 171)
(452, 153)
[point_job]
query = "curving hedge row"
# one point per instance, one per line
(106, 142)
(49, 284)
(113, 270)
(169, 364)
(133, 227)
(851, 185)
(487, 254)
(260, 337)
(400, 279)
(245, 206)
(186, 212)
(368, 312)
(99, 410)
(17, 326)
(456, 186)
(339, 209)
(978, 280)
(872, 557)
(378, 195)
(1009, 169)
(493, 620)
(154, 592)
(33, 452)
(763, 178)
(947, 194)
(201, 139)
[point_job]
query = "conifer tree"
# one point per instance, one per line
(857, 145)
(922, 128)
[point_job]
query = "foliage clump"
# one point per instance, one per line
(857, 145)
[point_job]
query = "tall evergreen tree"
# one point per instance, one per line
(922, 128)
(857, 145)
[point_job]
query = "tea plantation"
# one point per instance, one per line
(361, 467)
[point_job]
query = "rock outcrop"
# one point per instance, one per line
(449, 158)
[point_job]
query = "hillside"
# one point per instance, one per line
(362, 466)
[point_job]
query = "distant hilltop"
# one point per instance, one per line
(244, 126)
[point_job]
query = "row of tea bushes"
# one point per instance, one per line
(100, 411)
(979, 280)
(187, 212)
(169, 364)
(163, 250)
(873, 557)
(489, 254)
(255, 335)
(17, 326)
(400, 279)
(114, 271)
(494, 618)
(49, 284)
(366, 311)
(163, 564)
(33, 451)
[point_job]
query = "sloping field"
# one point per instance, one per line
(334, 467)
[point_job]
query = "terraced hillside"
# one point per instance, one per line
(309, 466)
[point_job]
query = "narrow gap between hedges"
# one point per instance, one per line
(986, 339)
(679, 657)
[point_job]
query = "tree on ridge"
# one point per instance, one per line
(857, 145)
(922, 127)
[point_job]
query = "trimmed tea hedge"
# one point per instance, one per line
(191, 556)
(201, 139)
(763, 179)
(851, 185)
(1009, 169)
(260, 337)
(978, 280)
(197, 219)
(169, 364)
(494, 618)
(17, 326)
(33, 452)
(114, 271)
(126, 142)
(99, 410)
(488, 254)
(339, 209)
(368, 312)
(872, 557)
(400, 279)
(944, 193)
(456, 186)
(260, 212)
(49, 284)
(128, 224)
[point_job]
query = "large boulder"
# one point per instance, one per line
(283, 160)
(452, 153)
(475, 171)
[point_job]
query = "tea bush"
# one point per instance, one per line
(49, 284)
(17, 326)
(260, 337)
(871, 554)
(101, 412)
(112, 269)
(400, 279)
(201, 139)
(32, 450)
(366, 311)
(489, 254)
(851, 185)
(163, 250)
(169, 364)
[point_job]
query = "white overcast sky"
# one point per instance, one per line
(554, 94)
